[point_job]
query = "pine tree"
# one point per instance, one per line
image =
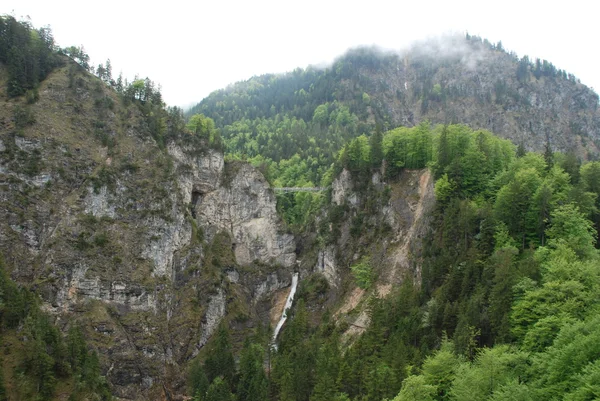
(375, 142)
(197, 380)
(219, 391)
(253, 384)
(548, 155)
(521, 150)
(3, 395)
(219, 360)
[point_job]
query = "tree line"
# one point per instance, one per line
(506, 308)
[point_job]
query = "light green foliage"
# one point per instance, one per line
(415, 388)
(570, 227)
(366, 98)
(541, 334)
(408, 147)
(444, 189)
(202, 126)
(587, 386)
(502, 238)
(321, 114)
(491, 369)
(439, 370)
(363, 273)
(514, 390)
(515, 199)
(590, 176)
(138, 87)
(571, 361)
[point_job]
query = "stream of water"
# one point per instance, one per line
(288, 304)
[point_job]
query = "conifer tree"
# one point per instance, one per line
(253, 384)
(219, 360)
(3, 395)
(219, 391)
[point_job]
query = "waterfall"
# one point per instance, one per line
(288, 304)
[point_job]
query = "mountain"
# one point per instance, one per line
(129, 226)
(143, 258)
(452, 79)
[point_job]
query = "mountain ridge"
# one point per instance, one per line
(454, 79)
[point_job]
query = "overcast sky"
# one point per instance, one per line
(193, 48)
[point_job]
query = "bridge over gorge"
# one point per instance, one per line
(300, 189)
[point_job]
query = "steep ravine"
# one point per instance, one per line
(148, 249)
(394, 255)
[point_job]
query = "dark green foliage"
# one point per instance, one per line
(28, 54)
(219, 360)
(252, 384)
(3, 395)
(49, 357)
(218, 391)
(14, 305)
(376, 148)
(197, 380)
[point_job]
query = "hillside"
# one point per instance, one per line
(438, 261)
(453, 79)
(101, 187)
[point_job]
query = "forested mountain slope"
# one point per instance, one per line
(453, 79)
(123, 223)
(441, 262)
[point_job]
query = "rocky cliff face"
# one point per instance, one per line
(388, 232)
(453, 80)
(147, 248)
(245, 207)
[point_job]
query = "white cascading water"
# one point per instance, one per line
(288, 304)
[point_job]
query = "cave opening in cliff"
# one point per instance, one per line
(196, 200)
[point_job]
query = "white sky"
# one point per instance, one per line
(194, 47)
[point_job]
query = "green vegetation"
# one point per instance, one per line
(294, 125)
(507, 307)
(363, 274)
(507, 303)
(29, 55)
(42, 357)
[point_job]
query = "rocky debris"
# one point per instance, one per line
(99, 204)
